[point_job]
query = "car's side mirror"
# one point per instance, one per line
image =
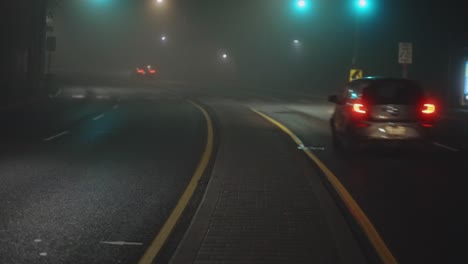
(333, 99)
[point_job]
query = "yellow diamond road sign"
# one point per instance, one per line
(355, 74)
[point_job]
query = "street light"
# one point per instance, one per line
(301, 3)
(224, 56)
(301, 6)
(361, 5)
(163, 38)
(159, 1)
(101, 2)
(296, 41)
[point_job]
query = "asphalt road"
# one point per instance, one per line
(415, 199)
(79, 175)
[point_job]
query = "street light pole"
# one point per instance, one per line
(357, 41)
(301, 3)
(361, 6)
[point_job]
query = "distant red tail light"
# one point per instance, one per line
(140, 71)
(152, 71)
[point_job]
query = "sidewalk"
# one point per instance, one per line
(265, 203)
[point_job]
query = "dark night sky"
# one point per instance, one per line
(116, 35)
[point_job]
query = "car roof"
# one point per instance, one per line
(381, 78)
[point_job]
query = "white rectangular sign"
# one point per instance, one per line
(405, 53)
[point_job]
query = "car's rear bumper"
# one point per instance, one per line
(407, 144)
(391, 132)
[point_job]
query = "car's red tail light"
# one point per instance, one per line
(428, 113)
(140, 71)
(359, 108)
(428, 109)
(362, 125)
(152, 71)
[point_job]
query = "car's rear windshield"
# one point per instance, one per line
(393, 92)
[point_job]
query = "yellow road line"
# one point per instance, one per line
(366, 225)
(170, 223)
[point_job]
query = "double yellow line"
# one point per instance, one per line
(161, 238)
(366, 225)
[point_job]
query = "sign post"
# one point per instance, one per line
(405, 56)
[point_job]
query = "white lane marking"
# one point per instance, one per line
(303, 147)
(445, 147)
(37, 240)
(78, 96)
(57, 136)
(102, 97)
(98, 117)
(316, 148)
(121, 243)
(43, 254)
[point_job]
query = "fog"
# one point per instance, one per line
(115, 37)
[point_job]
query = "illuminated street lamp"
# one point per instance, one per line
(159, 1)
(301, 3)
(362, 6)
(301, 6)
(163, 38)
(362, 3)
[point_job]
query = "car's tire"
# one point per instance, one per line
(336, 143)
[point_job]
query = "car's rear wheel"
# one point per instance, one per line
(335, 140)
(342, 143)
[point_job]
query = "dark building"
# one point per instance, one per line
(23, 28)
